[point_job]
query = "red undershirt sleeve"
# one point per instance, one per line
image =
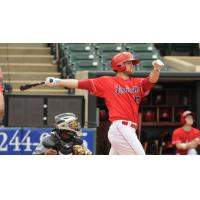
(84, 84)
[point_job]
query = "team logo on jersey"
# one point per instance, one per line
(120, 89)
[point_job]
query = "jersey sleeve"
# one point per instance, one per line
(196, 133)
(146, 86)
(96, 86)
(176, 137)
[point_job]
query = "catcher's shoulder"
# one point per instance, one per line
(49, 141)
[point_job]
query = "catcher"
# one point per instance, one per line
(64, 139)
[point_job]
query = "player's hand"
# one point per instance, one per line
(51, 152)
(51, 81)
(157, 65)
(194, 143)
(197, 140)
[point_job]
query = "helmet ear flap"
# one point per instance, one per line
(121, 67)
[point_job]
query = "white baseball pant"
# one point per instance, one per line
(124, 140)
(192, 152)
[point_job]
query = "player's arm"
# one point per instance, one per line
(154, 75)
(68, 83)
(148, 82)
(188, 145)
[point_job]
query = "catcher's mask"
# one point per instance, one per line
(119, 60)
(67, 122)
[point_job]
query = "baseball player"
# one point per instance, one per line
(64, 139)
(186, 138)
(122, 94)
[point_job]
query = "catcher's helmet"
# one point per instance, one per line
(184, 115)
(68, 122)
(119, 59)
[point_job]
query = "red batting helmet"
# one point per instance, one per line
(184, 115)
(165, 114)
(149, 116)
(119, 60)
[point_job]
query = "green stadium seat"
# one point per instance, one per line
(107, 65)
(107, 56)
(139, 47)
(97, 56)
(81, 55)
(146, 65)
(108, 47)
(78, 47)
(80, 65)
(147, 55)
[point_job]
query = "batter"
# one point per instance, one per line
(123, 94)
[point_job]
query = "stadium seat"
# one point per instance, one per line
(107, 56)
(77, 47)
(81, 65)
(147, 55)
(163, 48)
(81, 55)
(97, 56)
(139, 47)
(146, 65)
(108, 47)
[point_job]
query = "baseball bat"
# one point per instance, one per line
(31, 85)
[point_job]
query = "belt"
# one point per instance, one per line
(132, 125)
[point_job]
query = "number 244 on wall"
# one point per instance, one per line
(17, 141)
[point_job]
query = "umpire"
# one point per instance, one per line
(64, 139)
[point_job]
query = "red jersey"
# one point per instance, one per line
(181, 136)
(122, 97)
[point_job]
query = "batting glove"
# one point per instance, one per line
(51, 81)
(157, 64)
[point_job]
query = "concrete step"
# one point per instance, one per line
(26, 59)
(40, 91)
(28, 67)
(32, 76)
(25, 51)
(23, 44)
(17, 83)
